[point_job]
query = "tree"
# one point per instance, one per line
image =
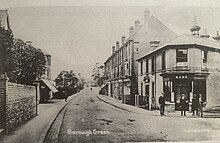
(22, 62)
(66, 78)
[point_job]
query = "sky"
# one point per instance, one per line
(79, 34)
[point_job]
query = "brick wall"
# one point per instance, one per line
(20, 104)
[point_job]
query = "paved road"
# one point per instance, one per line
(88, 119)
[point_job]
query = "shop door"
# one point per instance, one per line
(181, 89)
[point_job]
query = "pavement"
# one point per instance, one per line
(35, 129)
(130, 108)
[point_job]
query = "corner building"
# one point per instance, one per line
(189, 64)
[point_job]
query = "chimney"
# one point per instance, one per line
(205, 35)
(195, 28)
(146, 15)
(131, 31)
(117, 45)
(217, 37)
(154, 44)
(113, 50)
(137, 25)
(122, 40)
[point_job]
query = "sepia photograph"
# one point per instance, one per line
(109, 71)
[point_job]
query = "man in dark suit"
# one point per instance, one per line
(183, 105)
(162, 104)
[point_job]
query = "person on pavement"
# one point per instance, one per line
(183, 105)
(162, 104)
(195, 104)
(201, 105)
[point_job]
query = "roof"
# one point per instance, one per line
(152, 29)
(186, 39)
(49, 85)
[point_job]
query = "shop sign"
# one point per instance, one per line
(181, 77)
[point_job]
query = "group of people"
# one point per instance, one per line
(197, 105)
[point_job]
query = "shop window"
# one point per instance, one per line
(181, 55)
(141, 67)
(204, 56)
(163, 61)
(167, 90)
(146, 65)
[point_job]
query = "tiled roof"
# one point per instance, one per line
(153, 29)
(186, 39)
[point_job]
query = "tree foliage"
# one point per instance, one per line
(66, 78)
(22, 62)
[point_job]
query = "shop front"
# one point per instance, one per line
(176, 85)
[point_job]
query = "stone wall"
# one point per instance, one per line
(20, 104)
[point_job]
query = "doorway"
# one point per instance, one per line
(179, 90)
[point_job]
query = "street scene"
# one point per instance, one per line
(87, 72)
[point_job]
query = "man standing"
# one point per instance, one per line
(162, 104)
(183, 105)
(201, 105)
(195, 105)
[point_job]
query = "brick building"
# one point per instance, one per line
(120, 68)
(188, 65)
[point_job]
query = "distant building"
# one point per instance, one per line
(120, 68)
(46, 87)
(186, 66)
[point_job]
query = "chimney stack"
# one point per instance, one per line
(195, 28)
(137, 25)
(131, 31)
(217, 37)
(205, 35)
(113, 50)
(117, 45)
(154, 44)
(122, 40)
(146, 15)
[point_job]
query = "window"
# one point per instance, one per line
(204, 56)
(142, 89)
(153, 64)
(141, 67)
(146, 65)
(147, 90)
(181, 55)
(167, 90)
(152, 90)
(163, 61)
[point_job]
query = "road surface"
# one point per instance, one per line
(88, 119)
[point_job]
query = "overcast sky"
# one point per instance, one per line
(79, 34)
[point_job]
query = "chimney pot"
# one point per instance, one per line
(137, 25)
(113, 50)
(131, 31)
(122, 40)
(117, 45)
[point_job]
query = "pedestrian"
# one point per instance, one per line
(183, 105)
(91, 88)
(195, 104)
(201, 105)
(162, 104)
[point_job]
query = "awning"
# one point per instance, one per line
(49, 85)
